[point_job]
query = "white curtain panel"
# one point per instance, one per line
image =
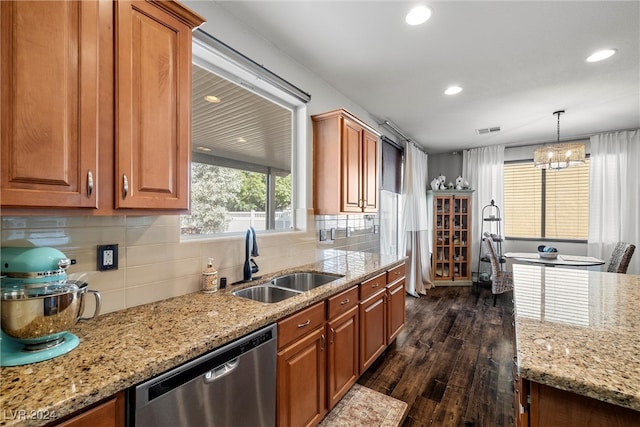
(614, 194)
(484, 169)
(416, 222)
(388, 215)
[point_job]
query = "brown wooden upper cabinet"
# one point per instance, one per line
(109, 125)
(345, 164)
(49, 103)
(153, 106)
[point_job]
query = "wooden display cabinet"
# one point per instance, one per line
(451, 236)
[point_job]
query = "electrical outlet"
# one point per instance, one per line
(333, 234)
(107, 257)
(323, 235)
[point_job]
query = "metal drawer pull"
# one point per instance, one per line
(323, 342)
(344, 302)
(302, 325)
(125, 186)
(89, 184)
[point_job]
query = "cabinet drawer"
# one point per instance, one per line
(372, 286)
(342, 302)
(396, 273)
(300, 323)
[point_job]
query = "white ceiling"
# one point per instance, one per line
(518, 62)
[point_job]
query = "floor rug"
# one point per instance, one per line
(364, 407)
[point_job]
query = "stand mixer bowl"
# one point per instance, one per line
(38, 318)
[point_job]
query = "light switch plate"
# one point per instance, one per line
(107, 257)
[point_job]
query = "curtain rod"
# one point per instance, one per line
(250, 65)
(397, 130)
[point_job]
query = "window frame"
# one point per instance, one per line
(207, 54)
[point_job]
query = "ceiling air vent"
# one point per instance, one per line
(488, 130)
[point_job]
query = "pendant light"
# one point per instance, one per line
(559, 156)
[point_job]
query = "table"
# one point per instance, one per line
(561, 260)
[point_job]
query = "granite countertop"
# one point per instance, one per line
(579, 331)
(120, 349)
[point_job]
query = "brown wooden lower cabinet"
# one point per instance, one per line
(373, 331)
(558, 408)
(301, 395)
(343, 369)
(319, 359)
(109, 413)
(395, 309)
(301, 381)
(521, 395)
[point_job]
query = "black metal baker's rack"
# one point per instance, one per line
(491, 220)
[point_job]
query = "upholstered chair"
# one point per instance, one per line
(620, 257)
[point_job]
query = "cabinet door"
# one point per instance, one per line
(107, 414)
(395, 309)
(370, 172)
(373, 334)
(301, 394)
(153, 107)
(343, 355)
(521, 406)
(351, 167)
(49, 91)
(442, 253)
(460, 241)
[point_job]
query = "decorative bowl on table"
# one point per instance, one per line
(547, 252)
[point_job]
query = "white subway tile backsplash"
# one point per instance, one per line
(141, 274)
(156, 291)
(162, 253)
(154, 264)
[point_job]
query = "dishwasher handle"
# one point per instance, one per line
(221, 371)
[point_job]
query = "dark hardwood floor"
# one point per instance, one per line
(452, 363)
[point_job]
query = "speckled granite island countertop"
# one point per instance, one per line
(120, 349)
(579, 331)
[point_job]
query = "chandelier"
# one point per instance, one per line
(559, 156)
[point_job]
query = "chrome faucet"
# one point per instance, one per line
(250, 266)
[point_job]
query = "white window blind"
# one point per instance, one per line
(545, 203)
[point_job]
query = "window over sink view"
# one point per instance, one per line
(241, 171)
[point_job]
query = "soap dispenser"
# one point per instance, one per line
(209, 278)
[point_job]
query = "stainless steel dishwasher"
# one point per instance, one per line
(234, 385)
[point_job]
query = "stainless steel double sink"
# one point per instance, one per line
(286, 286)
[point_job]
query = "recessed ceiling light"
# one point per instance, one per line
(203, 148)
(452, 90)
(241, 139)
(601, 54)
(212, 99)
(418, 15)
